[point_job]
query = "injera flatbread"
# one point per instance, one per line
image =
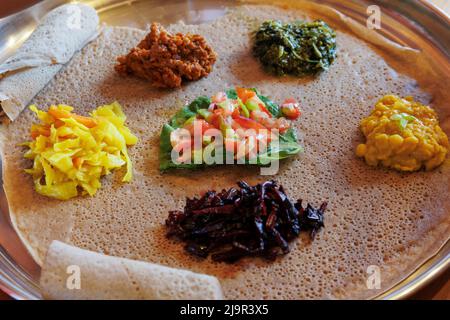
(376, 217)
(71, 273)
(61, 33)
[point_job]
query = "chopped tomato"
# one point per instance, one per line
(264, 109)
(247, 123)
(231, 145)
(290, 100)
(247, 148)
(200, 122)
(219, 97)
(245, 94)
(236, 113)
(235, 125)
(258, 115)
(206, 126)
(183, 145)
(282, 125)
(290, 109)
(292, 114)
(212, 118)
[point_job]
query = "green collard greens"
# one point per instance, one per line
(297, 48)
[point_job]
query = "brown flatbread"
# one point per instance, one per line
(376, 217)
(71, 273)
(61, 33)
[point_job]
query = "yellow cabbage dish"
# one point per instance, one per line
(403, 134)
(71, 153)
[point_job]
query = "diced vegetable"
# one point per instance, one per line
(290, 109)
(234, 114)
(72, 152)
(263, 108)
(204, 113)
(248, 123)
(243, 108)
(245, 94)
(219, 97)
(252, 105)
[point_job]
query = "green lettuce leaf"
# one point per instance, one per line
(189, 111)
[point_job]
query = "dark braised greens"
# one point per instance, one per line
(251, 221)
(297, 48)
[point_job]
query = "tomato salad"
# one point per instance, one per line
(248, 122)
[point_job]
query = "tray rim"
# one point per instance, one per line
(419, 278)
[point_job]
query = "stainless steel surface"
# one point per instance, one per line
(421, 277)
(413, 23)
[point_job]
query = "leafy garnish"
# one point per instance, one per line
(403, 119)
(189, 111)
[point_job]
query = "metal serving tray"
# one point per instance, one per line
(415, 23)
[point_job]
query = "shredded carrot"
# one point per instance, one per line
(88, 122)
(77, 162)
(58, 113)
(40, 131)
(58, 123)
(62, 114)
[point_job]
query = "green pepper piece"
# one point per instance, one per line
(244, 110)
(252, 105)
(204, 113)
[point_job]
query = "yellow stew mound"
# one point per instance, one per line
(71, 152)
(403, 134)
